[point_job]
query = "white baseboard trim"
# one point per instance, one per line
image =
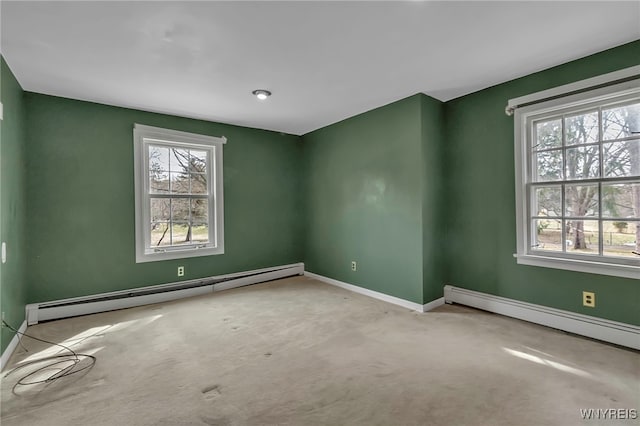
(13, 344)
(433, 304)
(103, 302)
(597, 328)
(377, 295)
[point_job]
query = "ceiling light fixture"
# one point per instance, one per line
(261, 94)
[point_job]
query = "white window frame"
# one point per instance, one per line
(143, 136)
(524, 116)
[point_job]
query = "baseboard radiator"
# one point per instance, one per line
(38, 312)
(597, 328)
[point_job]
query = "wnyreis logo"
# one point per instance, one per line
(609, 413)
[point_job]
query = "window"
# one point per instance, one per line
(178, 189)
(578, 181)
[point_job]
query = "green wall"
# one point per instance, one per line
(12, 202)
(374, 194)
(80, 194)
(434, 260)
(364, 200)
(480, 190)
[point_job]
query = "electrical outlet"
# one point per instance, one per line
(589, 299)
(354, 265)
(181, 271)
(2, 318)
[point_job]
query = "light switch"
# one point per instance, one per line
(4, 252)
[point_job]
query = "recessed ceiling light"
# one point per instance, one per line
(261, 94)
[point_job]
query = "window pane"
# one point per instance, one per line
(160, 210)
(158, 182)
(621, 200)
(198, 183)
(548, 166)
(583, 162)
(199, 210)
(179, 160)
(581, 129)
(581, 200)
(180, 209)
(198, 161)
(547, 201)
(621, 238)
(160, 235)
(200, 233)
(158, 159)
(179, 183)
(622, 158)
(582, 236)
(179, 234)
(620, 122)
(548, 235)
(548, 134)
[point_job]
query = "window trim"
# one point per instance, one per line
(523, 116)
(572, 88)
(143, 136)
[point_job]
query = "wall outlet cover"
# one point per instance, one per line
(589, 299)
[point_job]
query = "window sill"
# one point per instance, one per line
(152, 256)
(590, 267)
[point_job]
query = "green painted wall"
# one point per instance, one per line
(364, 200)
(80, 194)
(12, 202)
(480, 190)
(374, 194)
(433, 197)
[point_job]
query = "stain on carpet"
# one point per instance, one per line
(221, 421)
(211, 392)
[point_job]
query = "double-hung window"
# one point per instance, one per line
(178, 190)
(578, 181)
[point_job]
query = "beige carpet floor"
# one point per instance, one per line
(300, 352)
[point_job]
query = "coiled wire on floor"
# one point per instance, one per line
(62, 365)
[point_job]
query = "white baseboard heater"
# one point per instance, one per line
(38, 312)
(597, 328)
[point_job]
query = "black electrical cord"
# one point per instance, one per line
(74, 358)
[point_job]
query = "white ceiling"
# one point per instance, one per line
(323, 61)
